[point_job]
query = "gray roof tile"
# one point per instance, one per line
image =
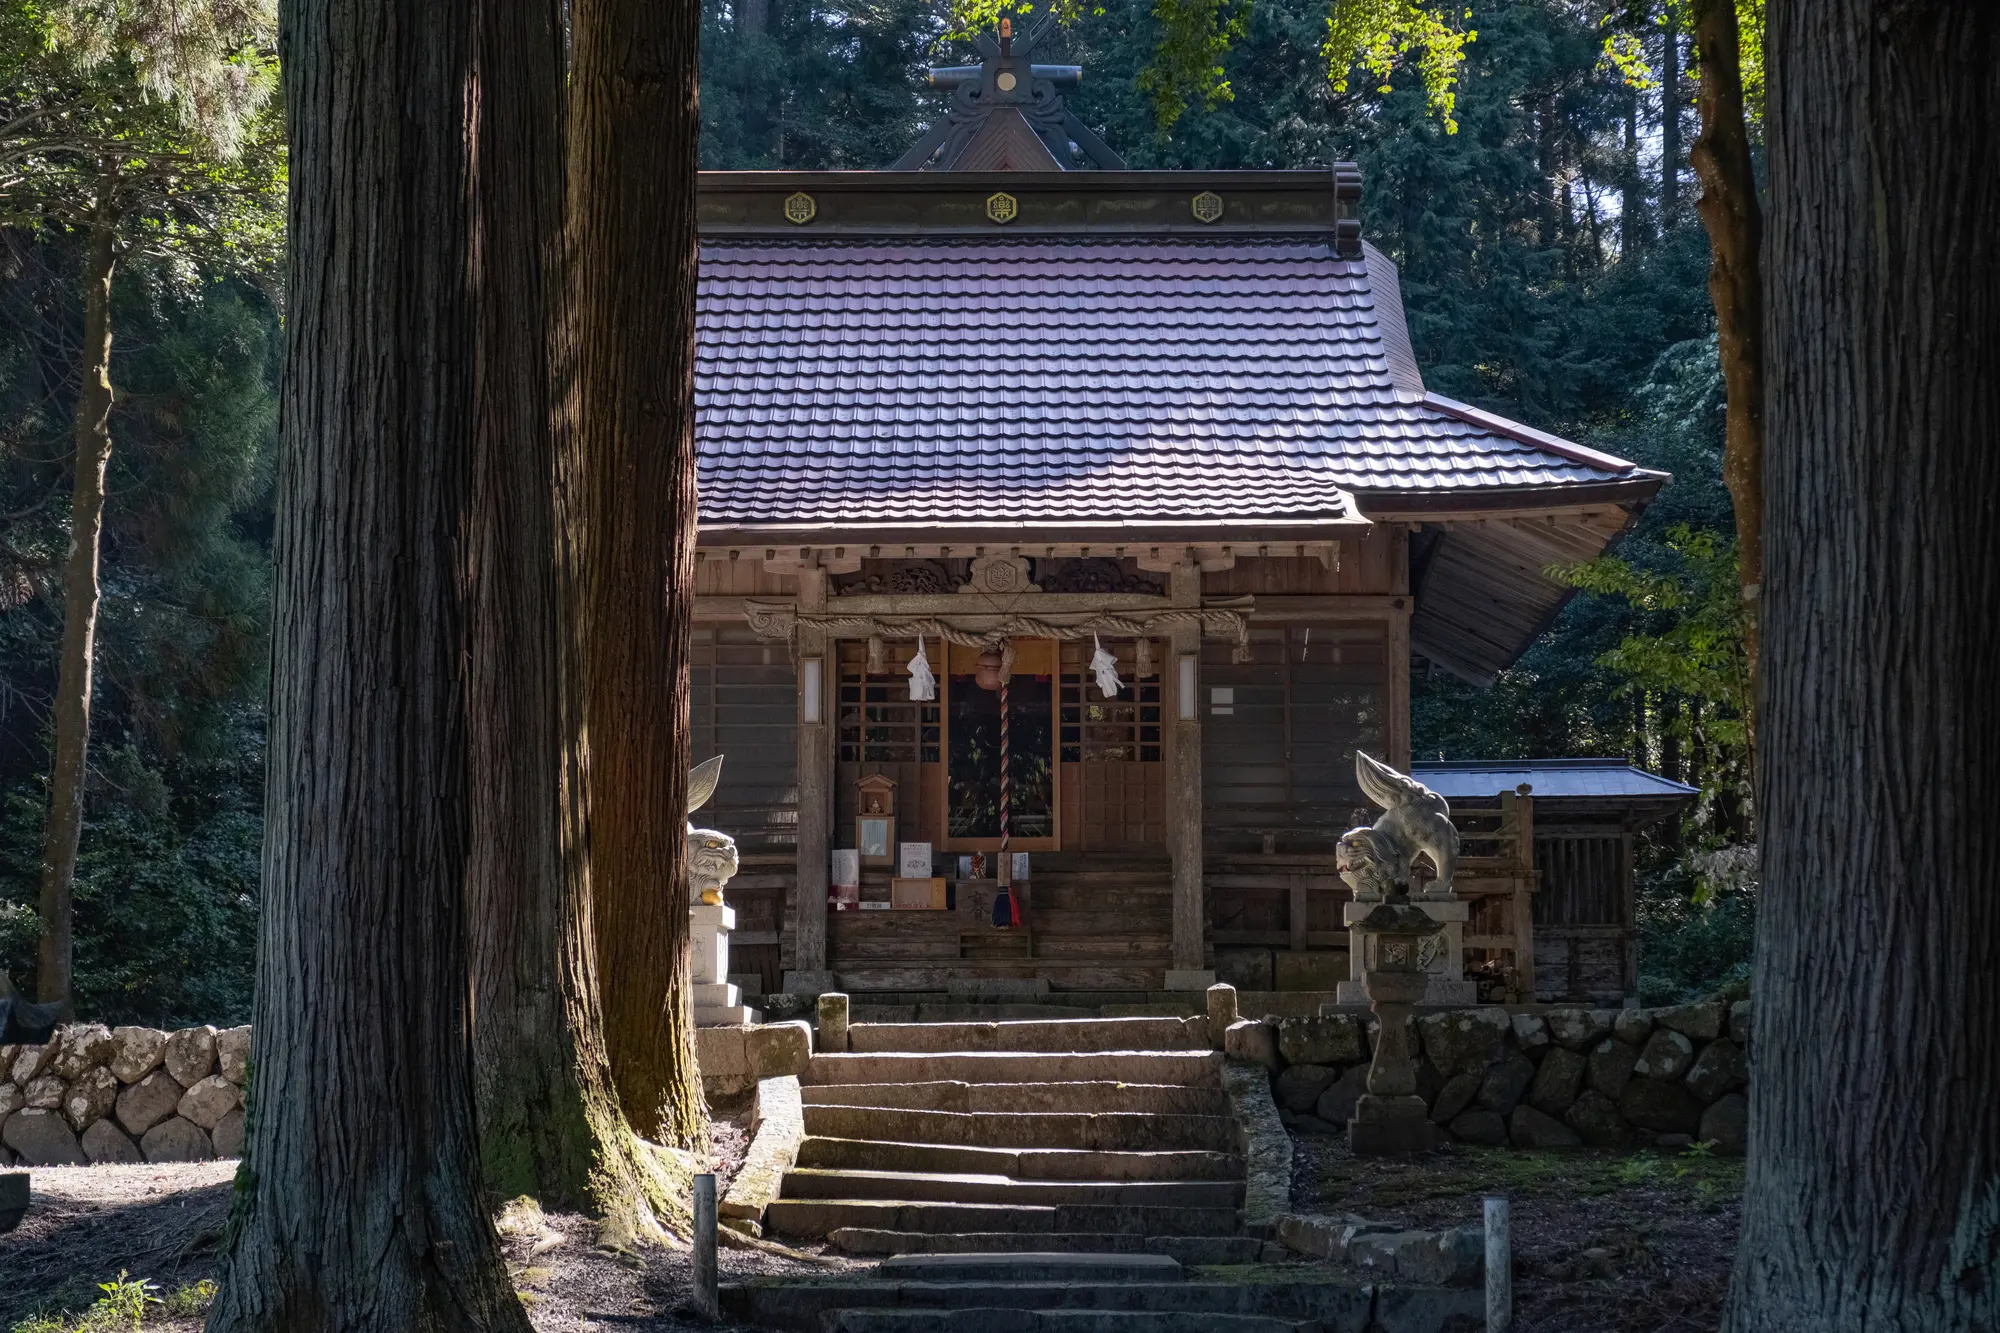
(1040, 379)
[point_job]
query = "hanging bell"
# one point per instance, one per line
(988, 674)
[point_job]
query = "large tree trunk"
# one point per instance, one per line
(79, 638)
(549, 1122)
(634, 117)
(1735, 223)
(1670, 125)
(1875, 1147)
(360, 1206)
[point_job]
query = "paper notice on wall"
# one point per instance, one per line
(1020, 866)
(915, 861)
(846, 865)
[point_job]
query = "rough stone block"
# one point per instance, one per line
(1267, 1148)
(779, 1127)
(1666, 1055)
(1663, 1107)
(1727, 1125)
(227, 1136)
(177, 1140)
(41, 1137)
(105, 1142)
(12, 1099)
(1505, 1083)
(1558, 1081)
(1719, 1067)
(1478, 1126)
(1298, 1087)
(1245, 969)
(1579, 1029)
(1454, 1097)
(833, 1014)
(1336, 1104)
(1323, 1039)
(1465, 1040)
(1253, 1040)
(30, 1061)
(1430, 1258)
(777, 1049)
(209, 1100)
(1632, 1026)
(1189, 978)
(149, 1101)
(1702, 1021)
(190, 1055)
(45, 1093)
(1531, 1035)
(1596, 1118)
(90, 1097)
(722, 1058)
(1221, 1010)
(1611, 1067)
(139, 1053)
(1389, 1126)
(82, 1046)
(232, 1054)
(1529, 1128)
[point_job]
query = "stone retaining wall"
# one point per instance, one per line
(98, 1094)
(1567, 1078)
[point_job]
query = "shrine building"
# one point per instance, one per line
(1021, 402)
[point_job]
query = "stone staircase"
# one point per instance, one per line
(1078, 1135)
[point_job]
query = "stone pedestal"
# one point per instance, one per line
(717, 1003)
(1442, 957)
(1390, 1118)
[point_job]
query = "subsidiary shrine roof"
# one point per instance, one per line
(1100, 358)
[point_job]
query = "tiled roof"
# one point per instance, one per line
(1600, 778)
(1051, 381)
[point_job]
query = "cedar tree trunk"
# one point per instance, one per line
(1873, 1199)
(549, 1123)
(359, 1206)
(79, 636)
(1670, 125)
(634, 119)
(1729, 210)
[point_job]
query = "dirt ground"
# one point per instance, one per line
(1603, 1242)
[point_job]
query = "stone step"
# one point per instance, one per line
(1023, 1164)
(965, 1187)
(1046, 1266)
(1160, 1098)
(1186, 1249)
(819, 1217)
(1068, 1035)
(1113, 1132)
(1338, 1306)
(1194, 1069)
(1005, 1319)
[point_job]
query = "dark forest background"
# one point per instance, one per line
(1553, 271)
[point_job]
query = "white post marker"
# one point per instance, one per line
(705, 1301)
(1499, 1269)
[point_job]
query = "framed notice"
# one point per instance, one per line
(846, 866)
(915, 862)
(920, 895)
(875, 836)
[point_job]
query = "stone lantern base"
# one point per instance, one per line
(1390, 1126)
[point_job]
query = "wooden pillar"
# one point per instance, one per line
(809, 974)
(1399, 684)
(1524, 896)
(1184, 819)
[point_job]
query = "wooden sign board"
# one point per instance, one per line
(920, 895)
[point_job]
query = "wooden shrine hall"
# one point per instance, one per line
(1024, 409)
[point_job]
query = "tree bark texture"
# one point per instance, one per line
(1873, 1199)
(81, 591)
(1670, 125)
(360, 1205)
(1735, 222)
(549, 1123)
(634, 117)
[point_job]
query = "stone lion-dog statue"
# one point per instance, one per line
(1375, 860)
(711, 856)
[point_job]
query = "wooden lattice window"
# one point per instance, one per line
(1122, 729)
(879, 722)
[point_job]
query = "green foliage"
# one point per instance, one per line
(168, 869)
(1380, 35)
(124, 1305)
(1195, 35)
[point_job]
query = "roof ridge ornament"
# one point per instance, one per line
(1007, 113)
